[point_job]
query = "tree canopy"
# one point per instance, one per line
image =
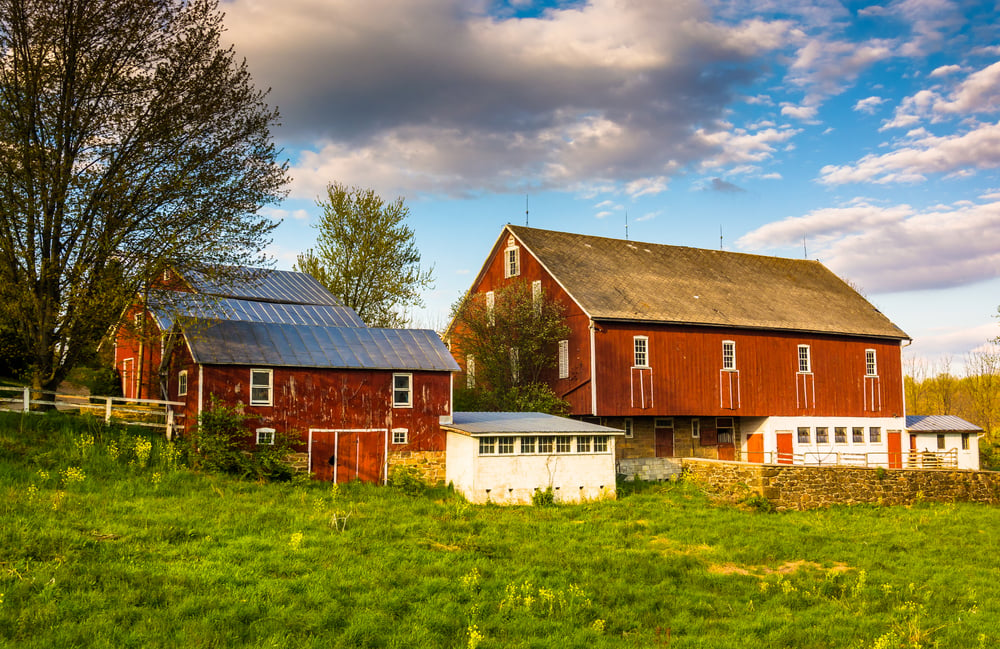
(130, 140)
(509, 344)
(366, 256)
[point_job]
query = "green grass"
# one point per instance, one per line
(132, 549)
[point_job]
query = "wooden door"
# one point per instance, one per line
(785, 450)
(348, 455)
(128, 378)
(664, 439)
(895, 449)
(755, 448)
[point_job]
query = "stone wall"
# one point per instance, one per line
(807, 487)
(649, 468)
(430, 464)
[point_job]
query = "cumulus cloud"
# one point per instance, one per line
(897, 248)
(978, 93)
(868, 104)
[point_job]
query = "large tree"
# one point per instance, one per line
(508, 345)
(130, 139)
(366, 256)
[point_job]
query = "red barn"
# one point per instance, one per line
(713, 354)
(295, 359)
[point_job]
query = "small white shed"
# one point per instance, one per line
(943, 441)
(505, 457)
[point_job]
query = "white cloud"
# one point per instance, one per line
(869, 104)
(945, 70)
(279, 214)
(807, 113)
(740, 146)
(601, 215)
(895, 248)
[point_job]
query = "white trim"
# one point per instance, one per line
(509, 262)
(696, 428)
(645, 351)
(732, 365)
(182, 373)
(265, 430)
(628, 425)
(873, 364)
(563, 359)
(405, 433)
(336, 446)
(409, 390)
(270, 386)
(808, 359)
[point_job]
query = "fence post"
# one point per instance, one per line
(27, 399)
(170, 423)
(107, 410)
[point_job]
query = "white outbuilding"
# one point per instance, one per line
(506, 457)
(943, 441)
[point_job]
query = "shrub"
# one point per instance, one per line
(223, 444)
(408, 480)
(543, 497)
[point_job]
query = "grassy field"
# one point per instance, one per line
(107, 540)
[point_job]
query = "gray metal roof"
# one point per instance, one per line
(166, 307)
(940, 424)
(282, 286)
(482, 423)
(615, 279)
(227, 342)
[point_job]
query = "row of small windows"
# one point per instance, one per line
(543, 445)
(262, 388)
(822, 435)
(641, 356)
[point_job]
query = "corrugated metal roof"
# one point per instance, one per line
(167, 307)
(228, 342)
(940, 424)
(280, 286)
(614, 279)
(479, 423)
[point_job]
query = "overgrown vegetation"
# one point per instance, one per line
(222, 444)
(106, 541)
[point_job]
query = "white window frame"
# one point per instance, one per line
(729, 355)
(871, 362)
(527, 445)
(805, 360)
(584, 443)
(182, 383)
(512, 261)
(857, 434)
(138, 319)
(400, 436)
(506, 445)
(257, 385)
(397, 403)
(696, 428)
(601, 444)
(640, 351)
(823, 431)
(627, 425)
(265, 437)
(803, 432)
(470, 372)
(874, 434)
(564, 444)
(564, 359)
(487, 445)
(837, 431)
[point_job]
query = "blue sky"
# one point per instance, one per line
(864, 135)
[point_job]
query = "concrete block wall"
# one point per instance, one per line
(649, 468)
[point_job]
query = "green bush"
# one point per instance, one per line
(223, 444)
(408, 480)
(989, 455)
(543, 497)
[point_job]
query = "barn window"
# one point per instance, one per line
(822, 435)
(400, 435)
(874, 434)
(640, 345)
(265, 436)
(805, 360)
(627, 425)
(505, 445)
(840, 435)
(491, 300)
(940, 442)
(600, 444)
(725, 430)
(803, 435)
(695, 428)
(564, 359)
(536, 295)
(261, 383)
(545, 444)
(871, 367)
(965, 441)
(512, 257)
(728, 355)
(182, 383)
(402, 390)
(858, 435)
(487, 445)
(583, 444)
(527, 444)
(564, 445)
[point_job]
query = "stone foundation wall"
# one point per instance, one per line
(808, 487)
(430, 464)
(649, 468)
(298, 461)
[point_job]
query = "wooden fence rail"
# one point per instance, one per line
(906, 459)
(151, 413)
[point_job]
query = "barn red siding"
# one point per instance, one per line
(686, 378)
(141, 354)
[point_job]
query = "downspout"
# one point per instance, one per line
(593, 370)
(201, 389)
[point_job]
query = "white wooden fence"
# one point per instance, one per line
(905, 459)
(152, 413)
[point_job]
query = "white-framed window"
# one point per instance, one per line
(536, 294)
(840, 435)
(182, 383)
(402, 390)
(600, 444)
(487, 445)
(628, 427)
(265, 436)
(725, 430)
(805, 359)
(527, 444)
(858, 435)
(515, 365)
(583, 444)
(564, 359)
(965, 441)
(564, 445)
(728, 355)
(491, 300)
(400, 435)
(803, 434)
(512, 262)
(695, 428)
(874, 434)
(822, 435)
(871, 366)
(640, 346)
(546, 444)
(261, 387)
(137, 320)
(505, 445)
(470, 372)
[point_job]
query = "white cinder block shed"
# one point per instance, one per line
(505, 457)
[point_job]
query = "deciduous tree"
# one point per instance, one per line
(130, 139)
(366, 256)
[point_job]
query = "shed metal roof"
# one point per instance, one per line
(264, 285)
(168, 306)
(228, 342)
(940, 424)
(614, 279)
(481, 423)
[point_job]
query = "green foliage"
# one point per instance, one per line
(989, 455)
(222, 443)
(543, 497)
(407, 480)
(758, 503)
(366, 256)
(131, 137)
(514, 345)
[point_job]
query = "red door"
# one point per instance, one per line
(755, 447)
(895, 449)
(785, 449)
(348, 455)
(664, 438)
